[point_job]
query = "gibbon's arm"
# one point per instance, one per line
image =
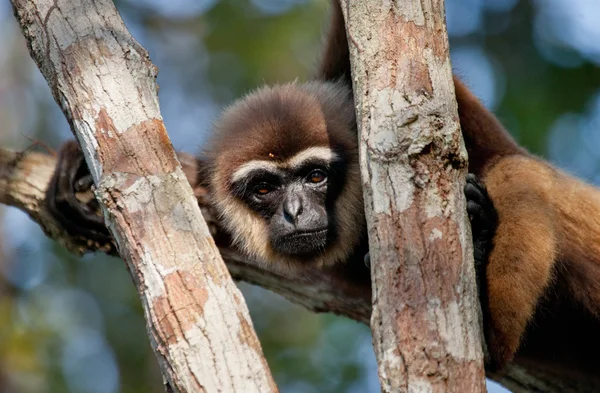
(335, 59)
(522, 260)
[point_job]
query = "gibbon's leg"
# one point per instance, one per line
(522, 258)
(70, 200)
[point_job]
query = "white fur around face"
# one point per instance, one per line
(321, 153)
(247, 168)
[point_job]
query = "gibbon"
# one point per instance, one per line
(282, 169)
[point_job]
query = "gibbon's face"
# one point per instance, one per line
(285, 174)
(295, 198)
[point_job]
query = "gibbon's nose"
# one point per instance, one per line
(292, 207)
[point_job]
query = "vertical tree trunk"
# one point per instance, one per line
(425, 320)
(104, 82)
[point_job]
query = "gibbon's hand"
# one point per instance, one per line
(484, 222)
(71, 201)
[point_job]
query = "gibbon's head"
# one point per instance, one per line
(285, 174)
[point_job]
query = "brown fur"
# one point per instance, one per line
(543, 275)
(274, 124)
(545, 263)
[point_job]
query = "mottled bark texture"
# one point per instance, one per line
(426, 317)
(104, 82)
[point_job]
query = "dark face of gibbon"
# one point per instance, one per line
(295, 198)
(285, 175)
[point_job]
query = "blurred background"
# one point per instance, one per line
(75, 325)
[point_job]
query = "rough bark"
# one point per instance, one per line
(24, 178)
(425, 320)
(104, 82)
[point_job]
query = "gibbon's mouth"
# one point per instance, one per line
(316, 232)
(302, 243)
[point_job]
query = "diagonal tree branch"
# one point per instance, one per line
(104, 82)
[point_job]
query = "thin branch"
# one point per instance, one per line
(24, 178)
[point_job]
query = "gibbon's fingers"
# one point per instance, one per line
(84, 184)
(484, 221)
(475, 190)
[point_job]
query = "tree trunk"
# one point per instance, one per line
(104, 82)
(426, 316)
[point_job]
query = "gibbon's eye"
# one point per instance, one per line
(317, 176)
(262, 189)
